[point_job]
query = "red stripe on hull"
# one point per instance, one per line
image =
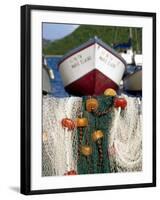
(93, 83)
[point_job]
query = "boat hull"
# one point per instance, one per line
(133, 82)
(91, 69)
(46, 83)
(96, 83)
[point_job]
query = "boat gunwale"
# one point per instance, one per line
(88, 44)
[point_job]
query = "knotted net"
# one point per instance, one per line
(59, 146)
(125, 141)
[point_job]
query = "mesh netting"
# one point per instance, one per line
(97, 121)
(58, 143)
(120, 149)
(125, 141)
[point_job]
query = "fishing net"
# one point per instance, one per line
(118, 150)
(125, 140)
(98, 161)
(59, 145)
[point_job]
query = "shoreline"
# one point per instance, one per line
(52, 56)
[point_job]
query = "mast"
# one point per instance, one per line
(130, 33)
(137, 45)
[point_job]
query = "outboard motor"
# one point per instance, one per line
(47, 76)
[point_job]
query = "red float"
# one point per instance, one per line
(68, 123)
(72, 172)
(120, 102)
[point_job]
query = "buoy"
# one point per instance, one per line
(96, 135)
(86, 150)
(68, 123)
(92, 105)
(81, 122)
(72, 172)
(120, 102)
(110, 92)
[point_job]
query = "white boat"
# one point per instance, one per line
(48, 75)
(138, 59)
(91, 68)
(131, 57)
(133, 79)
(128, 56)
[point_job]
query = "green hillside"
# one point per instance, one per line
(109, 34)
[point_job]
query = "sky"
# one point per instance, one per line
(53, 31)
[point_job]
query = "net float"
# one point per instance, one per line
(110, 92)
(96, 135)
(120, 102)
(81, 122)
(86, 150)
(68, 123)
(91, 104)
(72, 172)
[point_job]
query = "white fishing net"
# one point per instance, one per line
(59, 145)
(125, 141)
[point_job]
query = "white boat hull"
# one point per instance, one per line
(90, 69)
(138, 59)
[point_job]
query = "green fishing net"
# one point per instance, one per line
(99, 120)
